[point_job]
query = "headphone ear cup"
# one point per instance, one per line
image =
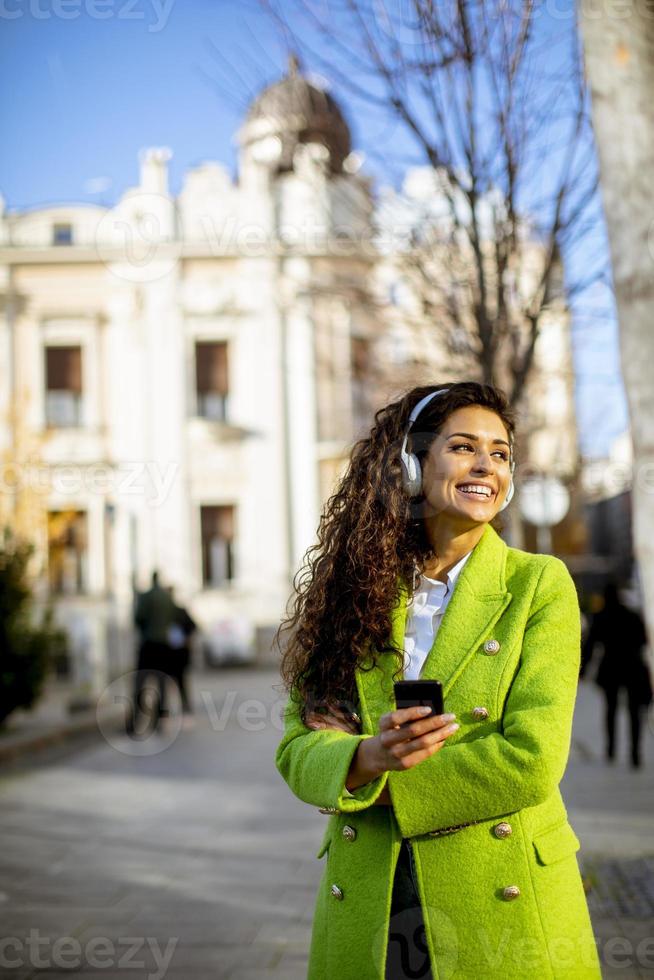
(411, 474)
(509, 495)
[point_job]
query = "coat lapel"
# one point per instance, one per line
(480, 597)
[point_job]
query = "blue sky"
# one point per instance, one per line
(84, 84)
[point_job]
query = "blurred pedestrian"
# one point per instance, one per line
(621, 632)
(153, 616)
(179, 641)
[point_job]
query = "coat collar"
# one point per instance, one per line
(479, 599)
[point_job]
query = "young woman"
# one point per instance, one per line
(449, 851)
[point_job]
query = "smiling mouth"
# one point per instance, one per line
(477, 494)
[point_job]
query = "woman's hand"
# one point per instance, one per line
(405, 739)
(336, 719)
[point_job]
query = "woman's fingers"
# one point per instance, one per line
(402, 715)
(350, 717)
(334, 717)
(326, 721)
(330, 720)
(410, 722)
(408, 737)
(427, 742)
(337, 712)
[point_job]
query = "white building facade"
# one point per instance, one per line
(179, 390)
(183, 378)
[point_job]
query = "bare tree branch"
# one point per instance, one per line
(474, 90)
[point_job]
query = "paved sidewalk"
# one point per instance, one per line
(191, 846)
(48, 722)
(610, 803)
(611, 808)
(198, 848)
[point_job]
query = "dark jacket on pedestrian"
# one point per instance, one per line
(154, 614)
(621, 632)
(182, 627)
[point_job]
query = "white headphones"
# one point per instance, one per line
(411, 471)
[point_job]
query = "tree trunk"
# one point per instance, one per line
(619, 48)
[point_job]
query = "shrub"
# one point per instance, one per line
(28, 650)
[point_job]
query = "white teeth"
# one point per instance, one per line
(480, 491)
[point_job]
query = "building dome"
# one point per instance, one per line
(295, 111)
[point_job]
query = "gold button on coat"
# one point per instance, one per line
(491, 647)
(511, 892)
(349, 833)
(503, 829)
(480, 713)
(337, 893)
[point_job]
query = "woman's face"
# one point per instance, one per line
(466, 473)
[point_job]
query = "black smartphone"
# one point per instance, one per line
(410, 693)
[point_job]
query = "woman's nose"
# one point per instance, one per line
(482, 464)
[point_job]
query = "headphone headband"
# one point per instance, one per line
(415, 412)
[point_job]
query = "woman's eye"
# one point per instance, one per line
(498, 452)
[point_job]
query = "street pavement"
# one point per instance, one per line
(185, 855)
(611, 807)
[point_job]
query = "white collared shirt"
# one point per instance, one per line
(424, 615)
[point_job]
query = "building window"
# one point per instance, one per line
(361, 354)
(67, 552)
(217, 528)
(211, 380)
(361, 366)
(63, 386)
(62, 234)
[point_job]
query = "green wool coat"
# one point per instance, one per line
(484, 813)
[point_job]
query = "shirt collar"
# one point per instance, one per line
(452, 575)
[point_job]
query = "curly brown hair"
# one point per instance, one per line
(368, 539)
